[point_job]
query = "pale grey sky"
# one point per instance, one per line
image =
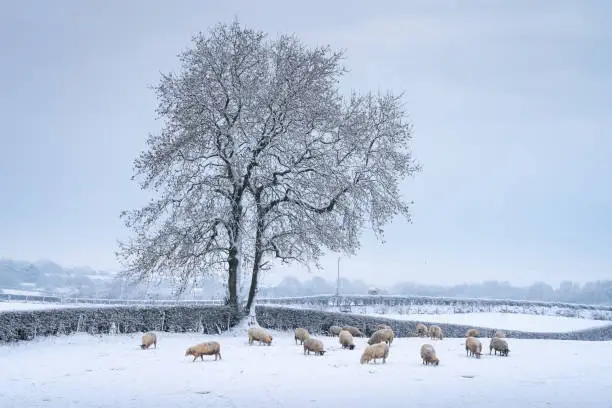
(510, 103)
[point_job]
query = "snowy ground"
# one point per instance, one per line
(15, 306)
(508, 321)
(92, 372)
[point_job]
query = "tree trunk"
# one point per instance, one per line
(232, 260)
(256, 264)
(254, 277)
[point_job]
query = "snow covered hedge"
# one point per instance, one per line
(318, 322)
(25, 325)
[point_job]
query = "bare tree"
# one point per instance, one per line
(322, 191)
(200, 163)
(261, 156)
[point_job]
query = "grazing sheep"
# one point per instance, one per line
(335, 330)
(346, 339)
(499, 344)
(500, 334)
(435, 332)
(355, 332)
(473, 347)
(382, 336)
(472, 333)
(314, 345)
(204, 349)
(382, 326)
(301, 334)
(260, 334)
(375, 351)
(148, 339)
(428, 355)
(421, 330)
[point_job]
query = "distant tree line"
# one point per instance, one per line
(51, 278)
(598, 292)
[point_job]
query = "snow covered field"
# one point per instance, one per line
(94, 372)
(15, 306)
(508, 321)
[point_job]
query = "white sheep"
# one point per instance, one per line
(421, 330)
(428, 355)
(375, 351)
(335, 330)
(301, 334)
(500, 334)
(380, 336)
(259, 334)
(435, 332)
(314, 345)
(148, 339)
(346, 339)
(473, 347)
(499, 344)
(355, 332)
(472, 333)
(204, 349)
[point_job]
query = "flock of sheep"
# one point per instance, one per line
(378, 344)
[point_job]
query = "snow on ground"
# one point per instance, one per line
(16, 306)
(98, 372)
(19, 292)
(507, 321)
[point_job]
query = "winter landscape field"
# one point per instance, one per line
(112, 371)
(509, 321)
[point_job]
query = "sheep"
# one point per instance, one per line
(375, 351)
(472, 333)
(314, 345)
(260, 334)
(204, 349)
(148, 339)
(428, 355)
(421, 330)
(335, 330)
(499, 344)
(473, 347)
(382, 326)
(346, 339)
(301, 334)
(500, 334)
(355, 332)
(435, 332)
(382, 336)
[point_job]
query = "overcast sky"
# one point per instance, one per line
(510, 101)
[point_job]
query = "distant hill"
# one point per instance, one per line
(47, 277)
(598, 292)
(50, 278)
